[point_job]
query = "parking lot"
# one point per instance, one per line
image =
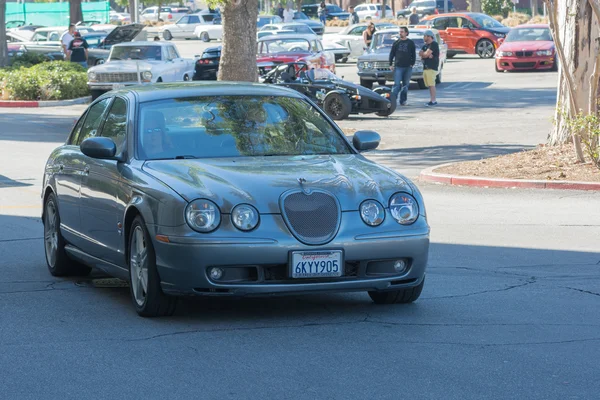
(509, 309)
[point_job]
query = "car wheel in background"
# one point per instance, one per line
(96, 93)
(337, 106)
(148, 298)
(450, 55)
(59, 264)
(555, 65)
(485, 48)
(186, 78)
(167, 35)
(204, 37)
(367, 84)
(402, 296)
(421, 84)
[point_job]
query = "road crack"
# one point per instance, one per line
(529, 282)
(582, 291)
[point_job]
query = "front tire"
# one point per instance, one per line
(167, 35)
(485, 48)
(337, 106)
(146, 293)
(59, 264)
(204, 37)
(402, 296)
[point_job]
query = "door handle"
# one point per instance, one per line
(86, 170)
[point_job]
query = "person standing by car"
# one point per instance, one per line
(414, 17)
(288, 13)
(322, 12)
(280, 11)
(430, 54)
(354, 19)
(402, 59)
(368, 35)
(78, 50)
(66, 39)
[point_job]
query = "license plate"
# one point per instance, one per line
(317, 264)
(118, 86)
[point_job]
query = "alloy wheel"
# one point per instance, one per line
(139, 266)
(485, 49)
(51, 233)
(335, 107)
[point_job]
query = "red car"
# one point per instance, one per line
(276, 49)
(470, 33)
(527, 47)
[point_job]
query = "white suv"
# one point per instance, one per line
(372, 11)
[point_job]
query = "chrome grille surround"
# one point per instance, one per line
(312, 216)
(116, 77)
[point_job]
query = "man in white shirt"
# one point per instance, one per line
(288, 14)
(66, 39)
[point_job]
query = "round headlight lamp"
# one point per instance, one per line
(146, 75)
(245, 217)
(404, 208)
(203, 215)
(372, 213)
(91, 76)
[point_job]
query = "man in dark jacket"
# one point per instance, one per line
(402, 59)
(354, 19)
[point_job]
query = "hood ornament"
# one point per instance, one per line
(302, 181)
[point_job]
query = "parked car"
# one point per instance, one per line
(139, 63)
(374, 65)
(122, 18)
(333, 11)
(292, 27)
(99, 51)
(263, 20)
(470, 33)
(316, 26)
(351, 37)
(372, 11)
(19, 27)
(261, 34)
(274, 50)
(207, 66)
(208, 32)
(338, 98)
(167, 14)
(51, 50)
(225, 189)
(527, 47)
(426, 7)
(185, 27)
(340, 52)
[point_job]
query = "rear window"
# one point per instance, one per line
(234, 126)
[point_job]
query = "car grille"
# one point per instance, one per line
(524, 53)
(382, 65)
(117, 77)
(312, 218)
(524, 64)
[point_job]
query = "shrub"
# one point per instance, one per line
(496, 7)
(28, 59)
(56, 80)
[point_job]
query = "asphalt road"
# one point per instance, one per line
(510, 309)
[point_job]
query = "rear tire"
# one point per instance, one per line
(402, 296)
(367, 84)
(146, 293)
(337, 106)
(167, 35)
(204, 37)
(57, 260)
(485, 48)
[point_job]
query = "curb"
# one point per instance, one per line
(48, 103)
(428, 175)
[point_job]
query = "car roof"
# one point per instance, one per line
(143, 43)
(52, 28)
(411, 30)
(455, 14)
(289, 36)
(166, 91)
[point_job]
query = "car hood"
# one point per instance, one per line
(125, 66)
(527, 46)
(282, 57)
(503, 30)
(123, 34)
(261, 181)
(382, 54)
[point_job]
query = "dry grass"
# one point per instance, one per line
(556, 163)
(498, 18)
(336, 22)
(515, 19)
(538, 19)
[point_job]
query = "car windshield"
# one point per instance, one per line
(135, 53)
(262, 21)
(486, 21)
(422, 4)
(300, 15)
(235, 126)
(274, 46)
(529, 35)
(387, 39)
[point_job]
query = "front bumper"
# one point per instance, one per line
(207, 72)
(112, 86)
(380, 75)
(524, 63)
(259, 266)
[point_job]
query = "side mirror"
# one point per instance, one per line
(366, 140)
(99, 147)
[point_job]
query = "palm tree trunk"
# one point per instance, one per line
(3, 47)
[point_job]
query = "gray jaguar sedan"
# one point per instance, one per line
(229, 189)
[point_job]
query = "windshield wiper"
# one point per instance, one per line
(185, 157)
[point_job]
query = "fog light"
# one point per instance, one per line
(400, 265)
(216, 273)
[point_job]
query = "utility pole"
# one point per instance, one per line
(445, 6)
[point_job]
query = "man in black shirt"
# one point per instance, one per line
(430, 54)
(414, 17)
(78, 50)
(404, 53)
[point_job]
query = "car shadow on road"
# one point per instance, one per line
(6, 182)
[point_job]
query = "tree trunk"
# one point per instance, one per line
(475, 6)
(383, 9)
(534, 8)
(3, 47)
(574, 24)
(75, 13)
(133, 11)
(238, 55)
(393, 8)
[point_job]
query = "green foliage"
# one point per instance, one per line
(587, 127)
(56, 80)
(27, 60)
(496, 7)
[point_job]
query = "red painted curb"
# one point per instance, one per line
(428, 175)
(17, 103)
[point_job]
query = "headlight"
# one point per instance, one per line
(361, 65)
(544, 52)
(146, 75)
(91, 76)
(369, 65)
(505, 54)
(404, 208)
(372, 213)
(203, 215)
(245, 217)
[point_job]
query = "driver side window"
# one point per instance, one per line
(184, 21)
(358, 31)
(440, 24)
(92, 121)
